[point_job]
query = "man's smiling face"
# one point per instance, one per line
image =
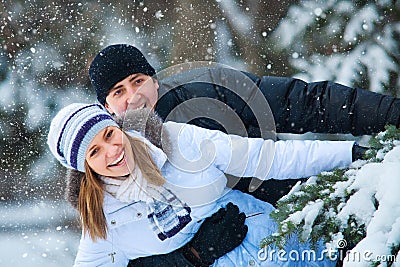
(135, 91)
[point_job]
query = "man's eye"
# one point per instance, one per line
(138, 81)
(117, 92)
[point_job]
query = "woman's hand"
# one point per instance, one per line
(218, 235)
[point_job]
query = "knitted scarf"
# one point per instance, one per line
(166, 213)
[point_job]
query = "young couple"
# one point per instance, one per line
(143, 195)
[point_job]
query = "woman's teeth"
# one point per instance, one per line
(117, 161)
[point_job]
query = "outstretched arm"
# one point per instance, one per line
(255, 157)
(297, 106)
(327, 107)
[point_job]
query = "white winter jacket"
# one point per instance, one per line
(195, 173)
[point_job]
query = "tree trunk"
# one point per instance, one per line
(193, 35)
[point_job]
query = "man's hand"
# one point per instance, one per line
(358, 152)
(218, 235)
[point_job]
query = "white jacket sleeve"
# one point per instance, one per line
(256, 157)
(297, 159)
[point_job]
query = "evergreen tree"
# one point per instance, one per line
(354, 210)
(350, 42)
(46, 48)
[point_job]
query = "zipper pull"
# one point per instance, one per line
(112, 256)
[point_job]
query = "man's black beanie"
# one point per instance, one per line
(113, 64)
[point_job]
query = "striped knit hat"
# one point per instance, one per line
(72, 130)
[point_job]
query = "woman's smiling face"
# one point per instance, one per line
(110, 153)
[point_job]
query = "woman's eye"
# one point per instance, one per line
(109, 133)
(94, 152)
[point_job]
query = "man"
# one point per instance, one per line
(123, 78)
(119, 71)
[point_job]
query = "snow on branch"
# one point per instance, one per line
(355, 210)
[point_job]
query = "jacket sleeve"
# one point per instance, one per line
(295, 106)
(266, 159)
(255, 157)
(326, 107)
(173, 259)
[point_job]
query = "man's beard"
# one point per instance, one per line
(148, 123)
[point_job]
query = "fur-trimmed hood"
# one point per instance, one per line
(144, 121)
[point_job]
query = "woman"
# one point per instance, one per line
(137, 199)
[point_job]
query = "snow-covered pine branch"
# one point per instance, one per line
(355, 210)
(350, 42)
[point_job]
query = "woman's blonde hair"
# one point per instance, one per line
(90, 200)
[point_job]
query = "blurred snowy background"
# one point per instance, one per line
(46, 47)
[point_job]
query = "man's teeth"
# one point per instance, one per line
(117, 160)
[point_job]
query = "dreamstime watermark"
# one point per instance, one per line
(265, 254)
(360, 256)
(333, 254)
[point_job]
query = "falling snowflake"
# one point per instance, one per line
(159, 14)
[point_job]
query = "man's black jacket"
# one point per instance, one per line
(296, 106)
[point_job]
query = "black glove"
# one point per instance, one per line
(218, 235)
(172, 259)
(358, 152)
